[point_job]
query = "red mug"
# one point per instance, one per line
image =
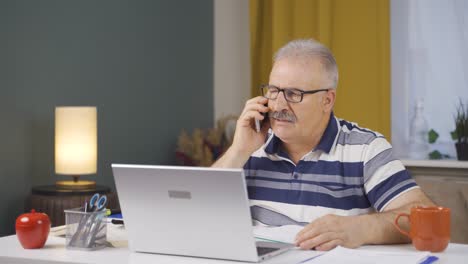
(429, 227)
(32, 229)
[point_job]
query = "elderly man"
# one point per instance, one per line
(340, 181)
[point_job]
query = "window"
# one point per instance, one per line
(429, 46)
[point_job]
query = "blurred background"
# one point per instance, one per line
(168, 77)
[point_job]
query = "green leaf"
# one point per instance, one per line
(433, 136)
(434, 155)
(454, 135)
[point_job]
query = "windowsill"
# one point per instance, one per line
(452, 164)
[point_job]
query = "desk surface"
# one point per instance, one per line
(55, 252)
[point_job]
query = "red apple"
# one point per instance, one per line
(32, 229)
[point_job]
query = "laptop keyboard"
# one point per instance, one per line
(265, 250)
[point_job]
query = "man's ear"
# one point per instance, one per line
(328, 100)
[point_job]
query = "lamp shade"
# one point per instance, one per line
(75, 140)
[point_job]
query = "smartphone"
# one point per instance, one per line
(257, 122)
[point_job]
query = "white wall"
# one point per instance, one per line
(429, 54)
(231, 56)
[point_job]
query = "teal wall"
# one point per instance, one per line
(147, 65)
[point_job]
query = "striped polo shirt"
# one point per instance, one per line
(351, 171)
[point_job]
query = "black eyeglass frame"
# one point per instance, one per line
(289, 89)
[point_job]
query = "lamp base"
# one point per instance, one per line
(75, 185)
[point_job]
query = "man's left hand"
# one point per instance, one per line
(330, 231)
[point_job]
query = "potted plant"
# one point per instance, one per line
(460, 134)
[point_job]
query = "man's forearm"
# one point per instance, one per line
(231, 159)
(378, 228)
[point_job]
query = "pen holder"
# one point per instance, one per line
(85, 230)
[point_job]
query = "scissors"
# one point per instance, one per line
(97, 202)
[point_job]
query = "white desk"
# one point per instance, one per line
(55, 252)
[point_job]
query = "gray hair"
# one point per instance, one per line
(310, 48)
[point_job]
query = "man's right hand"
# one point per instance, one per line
(246, 138)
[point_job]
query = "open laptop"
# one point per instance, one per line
(190, 211)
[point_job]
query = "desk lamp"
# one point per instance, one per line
(75, 145)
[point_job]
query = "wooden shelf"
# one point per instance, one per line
(449, 164)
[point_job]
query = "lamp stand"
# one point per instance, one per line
(76, 184)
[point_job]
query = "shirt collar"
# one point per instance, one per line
(272, 146)
(329, 136)
(326, 142)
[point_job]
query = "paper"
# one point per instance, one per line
(362, 256)
(58, 231)
(283, 234)
(116, 233)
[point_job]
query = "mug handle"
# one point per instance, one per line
(398, 226)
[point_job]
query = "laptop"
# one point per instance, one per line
(189, 211)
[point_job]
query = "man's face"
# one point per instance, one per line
(314, 108)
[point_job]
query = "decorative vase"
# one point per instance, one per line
(462, 150)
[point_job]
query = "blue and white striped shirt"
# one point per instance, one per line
(352, 171)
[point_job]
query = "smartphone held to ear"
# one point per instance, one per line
(257, 122)
(257, 125)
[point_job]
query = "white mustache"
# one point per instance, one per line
(283, 116)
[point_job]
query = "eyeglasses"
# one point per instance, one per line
(292, 95)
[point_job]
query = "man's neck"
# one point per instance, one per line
(297, 149)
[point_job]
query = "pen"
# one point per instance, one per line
(94, 229)
(113, 211)
(117, 222)
(430, 259)
(306, 260)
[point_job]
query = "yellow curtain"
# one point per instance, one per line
(358, 34)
